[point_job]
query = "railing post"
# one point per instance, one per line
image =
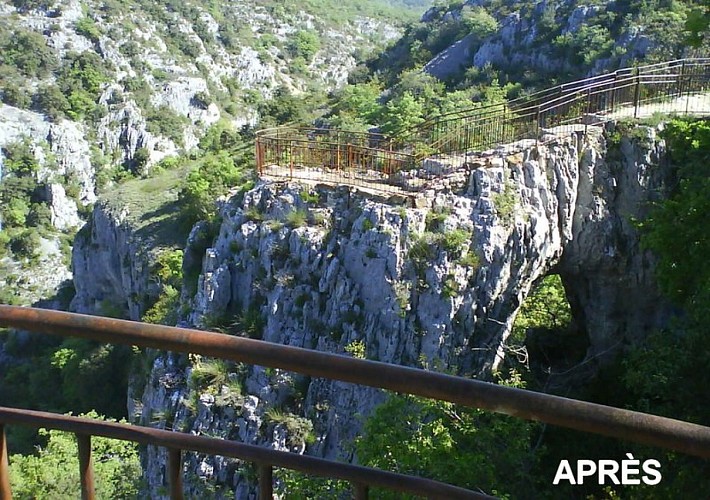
(290, 158)
(266, 482)
(86, 469)
(688, 87)
(589, 108)
(637, 93)
(257, 145)
(360, 491)
(175, 473)
(337, 142)
(537, 122)
(5, 491)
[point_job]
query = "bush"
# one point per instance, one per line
(28, 52)
(304, 44)
(50, 100)
(87, 27)
(470, 448)
(14, 95)
(166, 122)
(297, 218)
(452, 241)
(215, 174)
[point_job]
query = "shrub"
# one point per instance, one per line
(209, 374)
(215, 174)
(452, 241)
(356, 349)
(299, 429)
(14, 95)
(166, 122)
(505, 204)
(51, 101)
(297, 218)
(304, 44)
(462, 446)
(86, 26)
(26, 243)
(436, 217)
(28, 52)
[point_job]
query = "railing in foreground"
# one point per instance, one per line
(589, 417)
(330, 155)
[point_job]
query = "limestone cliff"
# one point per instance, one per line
(436, 286)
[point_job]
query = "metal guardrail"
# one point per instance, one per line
(330, 155)
(357, 158)
(176, 443)
(627, 425)
(665, 87)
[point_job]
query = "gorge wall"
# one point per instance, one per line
(437, 286)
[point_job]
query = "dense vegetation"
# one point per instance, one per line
(53, 472)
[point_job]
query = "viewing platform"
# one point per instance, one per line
(396, 165)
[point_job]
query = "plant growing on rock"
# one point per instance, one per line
(297, 218)
(356, 349)
(505, 203)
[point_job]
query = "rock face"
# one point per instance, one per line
(65, 140)
(64, 214)
(111, 268)
(608, 277)
(436, 286)
(532, 39)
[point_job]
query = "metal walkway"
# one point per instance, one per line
(382, 164)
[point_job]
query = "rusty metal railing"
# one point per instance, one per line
(176, 443)
(626, 425)
(679, 86)
(329, 155)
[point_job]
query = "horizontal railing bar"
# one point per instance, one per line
(580, 415)
(251, 453)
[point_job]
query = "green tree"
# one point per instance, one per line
(545, 308)
(698, 23)
(676, 229)
(305, 44)
(28, 52)
(402, 114)
(215, 174)
(462, 446)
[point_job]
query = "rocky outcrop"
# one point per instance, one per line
(538, 38)
(63, 211)
(64, 140)
(436, 286)
(609, 278)
(111, 267)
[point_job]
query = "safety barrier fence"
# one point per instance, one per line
(330, 155)
(678, 86)
(589, 417)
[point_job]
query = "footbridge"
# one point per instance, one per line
(396, 164)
